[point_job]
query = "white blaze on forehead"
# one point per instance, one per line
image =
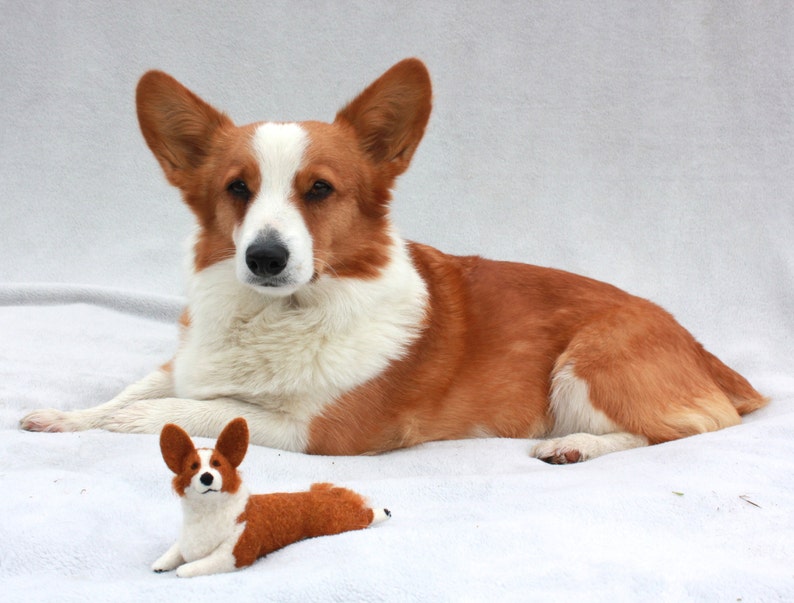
(204, 455)
(279, 150)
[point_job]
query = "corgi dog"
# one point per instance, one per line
(224, 527)
(311, 317)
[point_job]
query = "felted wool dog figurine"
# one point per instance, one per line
(224, 527)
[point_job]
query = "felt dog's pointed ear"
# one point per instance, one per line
(175, 444)
(233, 441)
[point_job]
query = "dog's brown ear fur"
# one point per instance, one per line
(178, 125)
(176, 445)
(233, 441)
(391, 114)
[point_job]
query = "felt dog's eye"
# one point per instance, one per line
(319, 191)
(194, 466)
(216, 463)
(239, 190)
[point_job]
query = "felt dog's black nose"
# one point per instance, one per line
(206, 479)
(266, 259)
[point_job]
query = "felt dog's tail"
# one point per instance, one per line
(345, 509)
(379, 515)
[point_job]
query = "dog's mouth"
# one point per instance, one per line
(208, 490)
(274, 287)
(271, 282)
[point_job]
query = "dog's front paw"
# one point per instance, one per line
(169, 560)
(196, 568)
(166, 563)
(218, 562)
(185, 571)
(51, 420)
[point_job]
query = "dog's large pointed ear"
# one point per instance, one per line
(233, 441)
(176, 445)
(177, 125)
(390, 116)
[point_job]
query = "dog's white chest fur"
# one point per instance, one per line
(294, 354)
(210, 523)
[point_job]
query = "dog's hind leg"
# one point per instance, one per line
(585, 432)
(578, 447)
(634, 377)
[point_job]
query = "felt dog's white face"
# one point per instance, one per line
(203, 472)
(207, 478)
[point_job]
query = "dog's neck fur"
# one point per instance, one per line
(209, 519)
(269, 347)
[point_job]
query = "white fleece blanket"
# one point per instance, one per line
(644, 144)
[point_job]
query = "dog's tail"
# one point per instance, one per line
(743, 396)
(379, 515)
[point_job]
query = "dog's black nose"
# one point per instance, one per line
(206, 479)
(266, 259)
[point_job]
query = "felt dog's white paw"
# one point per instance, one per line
(160, 568)
(214, 564)
(187, 571)
(169, 560)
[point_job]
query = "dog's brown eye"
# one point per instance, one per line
(216, 463)
(239, 190)
(194, 466)
(319, 191)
